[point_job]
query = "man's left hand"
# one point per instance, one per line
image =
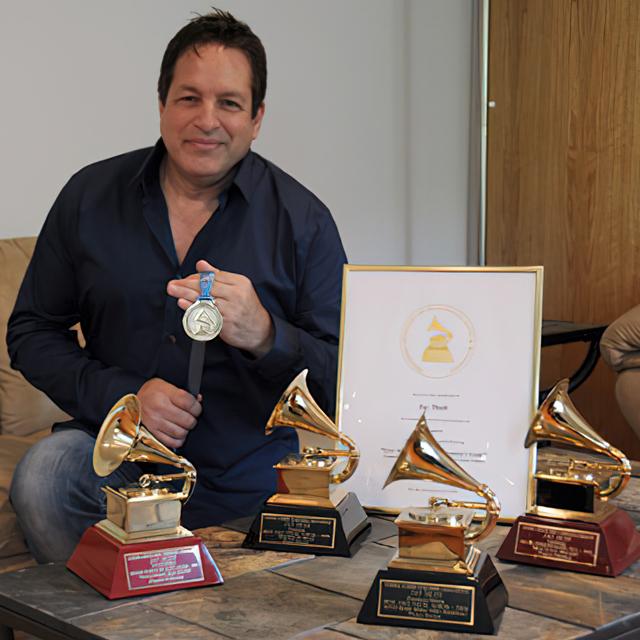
(246, 323)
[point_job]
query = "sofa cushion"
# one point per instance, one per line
(23, 409)
(12, 448)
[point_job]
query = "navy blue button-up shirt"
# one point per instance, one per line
(104, 257)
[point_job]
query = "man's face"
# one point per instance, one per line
(206, 123)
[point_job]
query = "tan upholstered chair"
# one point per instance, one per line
(26, 414)
(620, 349)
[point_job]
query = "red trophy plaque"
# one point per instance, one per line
(140, 548)
(570, 524)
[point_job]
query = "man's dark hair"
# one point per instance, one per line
(222, 28)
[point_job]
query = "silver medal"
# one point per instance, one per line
(202, 320)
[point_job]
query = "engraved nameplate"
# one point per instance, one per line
(307, 531)
(426, 601)
(161, 567)
(557, 543)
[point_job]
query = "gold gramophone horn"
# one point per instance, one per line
(297, 408)
(424, 459)
(123, 438)
(560, 423)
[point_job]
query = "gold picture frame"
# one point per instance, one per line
(450, 332)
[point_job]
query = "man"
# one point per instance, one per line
(120, 252)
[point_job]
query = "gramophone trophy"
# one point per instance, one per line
(569, 522)
(438, 579)
(302, 516)
(140, 548)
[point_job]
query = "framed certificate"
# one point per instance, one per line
(459, 344)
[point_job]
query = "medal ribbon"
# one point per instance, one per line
(206, 282)
(196, 358)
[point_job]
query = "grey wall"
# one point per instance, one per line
(368, 105)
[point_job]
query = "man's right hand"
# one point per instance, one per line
(168, 411)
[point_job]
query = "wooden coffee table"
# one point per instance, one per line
(271, 595)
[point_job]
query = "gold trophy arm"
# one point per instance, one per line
(352, 463)
(619, 478)
(319, 451)
(352, 453)
(491, 507)
(188, 476)
(624, 469)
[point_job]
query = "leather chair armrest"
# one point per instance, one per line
(627, 385)
(620, 343)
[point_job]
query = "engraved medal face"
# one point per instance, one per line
(202, 320)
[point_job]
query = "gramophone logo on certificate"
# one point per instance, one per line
(437, 341)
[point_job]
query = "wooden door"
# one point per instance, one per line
(564, 170)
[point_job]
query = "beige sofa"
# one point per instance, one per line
(620, 349)
(26, 414)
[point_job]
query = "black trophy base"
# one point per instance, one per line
(323, 532)
(437, 600)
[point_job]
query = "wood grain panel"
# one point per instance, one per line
(564, 169)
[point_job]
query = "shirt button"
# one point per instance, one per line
(171, 338)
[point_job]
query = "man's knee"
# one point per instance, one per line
(41, 477)
(48, 494)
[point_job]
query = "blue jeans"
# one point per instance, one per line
(57, 495)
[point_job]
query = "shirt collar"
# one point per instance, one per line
(147, 174)
(149, 166)
(244, 176)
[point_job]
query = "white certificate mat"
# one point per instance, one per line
(460, 344)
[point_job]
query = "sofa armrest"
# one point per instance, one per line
(620, 343)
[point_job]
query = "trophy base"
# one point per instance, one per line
(122, 570)
(601, 548)
(436, 600)
(322, 531)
